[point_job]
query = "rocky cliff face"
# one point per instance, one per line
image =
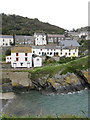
(69, 82)
(65, 83)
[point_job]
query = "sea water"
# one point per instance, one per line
(33, 103)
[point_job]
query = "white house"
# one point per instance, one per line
(8, 59)
(40, 38)
(21, 57)
(6, 40)
(37, 61)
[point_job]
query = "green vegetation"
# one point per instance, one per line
(2, 57)
(8, 52)
(81, 63)
(15, 24)
(62, 117)
(85, 45)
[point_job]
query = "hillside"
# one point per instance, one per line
(15, 24)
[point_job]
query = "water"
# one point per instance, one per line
(34, 103)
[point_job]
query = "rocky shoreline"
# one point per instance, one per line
(64, 83)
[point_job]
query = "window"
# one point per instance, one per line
(16, 54)
(39, 52)
(3, 43)
(3, 40)
(26, 59)
(65, 53)
(61, 53)
(17, 59)
(10, 57)
(41, 49)
(69, 53)
(37, 59)
(21, 64)
(25, 54)
(50, 53)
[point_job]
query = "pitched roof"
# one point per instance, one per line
(55, 35)
(21, 38)
(6, 36)
(68, 43)
(47, 47)
(39, 33)
(21, 50)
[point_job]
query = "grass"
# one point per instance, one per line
(81, 63)
(62, 117)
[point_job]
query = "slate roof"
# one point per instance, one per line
(68, 43)
(6, 36)
(21, 38)
(55, 35)
(47, 47)
(38, 33)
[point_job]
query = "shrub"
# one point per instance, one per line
(8, 52)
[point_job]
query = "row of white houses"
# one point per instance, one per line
(26, 56)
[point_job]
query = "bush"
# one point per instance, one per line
(8, 52)
(65, 60)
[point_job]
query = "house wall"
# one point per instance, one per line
(5, 41)
(37, 62)
(21, 58)
(53, 52)
(40, 39)
(8, 59)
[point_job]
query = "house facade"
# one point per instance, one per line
(40, 39)
(6, 40)
(21, 57)
(54, 38)
(26, 40)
